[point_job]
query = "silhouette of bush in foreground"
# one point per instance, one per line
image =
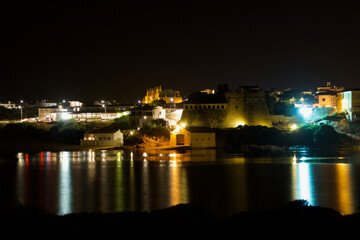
(295, 220)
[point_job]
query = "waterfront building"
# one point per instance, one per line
(103, 138)
(193, 137)
(349, 103)
(245, 105)
(326, 99)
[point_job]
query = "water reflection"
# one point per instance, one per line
(302, 182)
(113, 180)
(65, 183)
(344, 177)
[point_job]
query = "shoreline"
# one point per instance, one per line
(55, 147)
(46, 146)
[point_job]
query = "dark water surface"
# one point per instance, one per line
(114, 180)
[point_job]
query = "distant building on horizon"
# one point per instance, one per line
(103, 138)
(8, 105)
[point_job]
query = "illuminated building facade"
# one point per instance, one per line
(103, 138)
(193, 137)
(349, 103)
(328, 99)
(244, 106)
(167, 95)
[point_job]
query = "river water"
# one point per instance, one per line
(113, 180)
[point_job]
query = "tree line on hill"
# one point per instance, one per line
(306, 135)
(71, 132)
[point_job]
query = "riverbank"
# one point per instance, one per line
(295, 220)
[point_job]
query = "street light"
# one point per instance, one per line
(104, 106)
(21, 102)
(171, 101)
(20, 113)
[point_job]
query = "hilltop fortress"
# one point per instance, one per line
(245, 105)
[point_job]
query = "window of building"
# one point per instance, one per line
(236, 106)
(191, 107)
(323, 99)
(217, 107)
(186, 107)
(222, 106)
(109, 138)
(100, 138)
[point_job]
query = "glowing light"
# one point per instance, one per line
(344, 104)
(172, 155)
(145, 154)
(306, 112)
(241, 124)
(131, 132)
(294, 158)
(293, 127)
(183, 125)
(145, 117)
(65, 116)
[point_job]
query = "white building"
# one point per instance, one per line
(8, 105)
(349, 103)
(103, 138)
(171, 115)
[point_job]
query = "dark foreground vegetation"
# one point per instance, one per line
(307, 135)
(295, 220)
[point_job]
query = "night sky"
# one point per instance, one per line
(78, 50)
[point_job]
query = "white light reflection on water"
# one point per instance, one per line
(65, 184)
(302, 186)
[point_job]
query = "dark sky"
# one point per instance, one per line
(88, 51)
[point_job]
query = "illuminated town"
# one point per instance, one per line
(206, 109)
(179, 119)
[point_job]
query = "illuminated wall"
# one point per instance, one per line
(243, 107)
(152, 94)
(167, 95)
(350, 104)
